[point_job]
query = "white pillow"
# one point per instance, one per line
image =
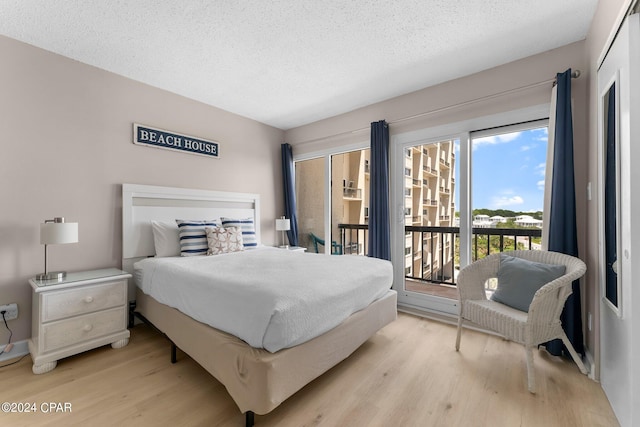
(193, 238)
(166, 238)
(223, 240)
(248, 228)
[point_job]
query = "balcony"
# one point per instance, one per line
(429, 170)
(443, 264)
(352, 193)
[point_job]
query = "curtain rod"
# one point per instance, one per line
(574, 75)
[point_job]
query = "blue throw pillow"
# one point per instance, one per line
(519, 279)
(193, 237)
(249, 239)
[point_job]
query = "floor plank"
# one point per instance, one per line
(408, 374)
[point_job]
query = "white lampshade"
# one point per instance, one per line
(58, 233)
(283, 224)
(53, 232)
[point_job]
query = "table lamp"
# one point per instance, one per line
(283, 224)
(54, 232)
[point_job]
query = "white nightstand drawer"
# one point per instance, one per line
(77, 329)
(65, 303)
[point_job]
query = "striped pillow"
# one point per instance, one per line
(193, 238)
(249, 239)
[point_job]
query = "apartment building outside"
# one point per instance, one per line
(429, 202)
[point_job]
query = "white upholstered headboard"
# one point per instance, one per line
(143, 203)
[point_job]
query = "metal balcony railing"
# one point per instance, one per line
(354, 238)
(438, 250)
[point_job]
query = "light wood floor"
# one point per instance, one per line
(408, 374)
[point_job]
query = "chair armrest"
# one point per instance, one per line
(548, 301)
(472, 278)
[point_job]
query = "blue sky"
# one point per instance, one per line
(508, 171)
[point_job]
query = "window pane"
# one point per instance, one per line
(508, 191)
(310, 203)
(349, 202)
(429, 207)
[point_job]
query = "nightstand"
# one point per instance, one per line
(83, 311)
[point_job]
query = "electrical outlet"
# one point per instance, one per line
(11, 311)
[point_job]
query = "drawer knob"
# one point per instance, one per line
(88, 299)
(87, 328)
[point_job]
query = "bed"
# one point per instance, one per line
(257, 377)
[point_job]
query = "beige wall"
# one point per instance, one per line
(65, 133)
(353, 127)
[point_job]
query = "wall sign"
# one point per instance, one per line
(151, 137)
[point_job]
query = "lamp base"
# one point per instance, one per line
(54, 275)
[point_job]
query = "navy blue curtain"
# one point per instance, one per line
(562, 220)
(288, 180)
(379, 236)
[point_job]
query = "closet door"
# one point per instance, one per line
(619, 229)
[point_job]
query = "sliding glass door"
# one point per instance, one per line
(460, 198)
(332, 192)
(436, 229)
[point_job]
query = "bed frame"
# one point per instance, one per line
(257, 380)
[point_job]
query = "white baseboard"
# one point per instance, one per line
(447, 318)
(429, 314)
(20, 348)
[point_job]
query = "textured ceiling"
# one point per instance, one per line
(291, 62)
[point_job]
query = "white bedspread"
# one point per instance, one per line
(271, 298)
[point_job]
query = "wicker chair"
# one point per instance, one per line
(542, 322)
